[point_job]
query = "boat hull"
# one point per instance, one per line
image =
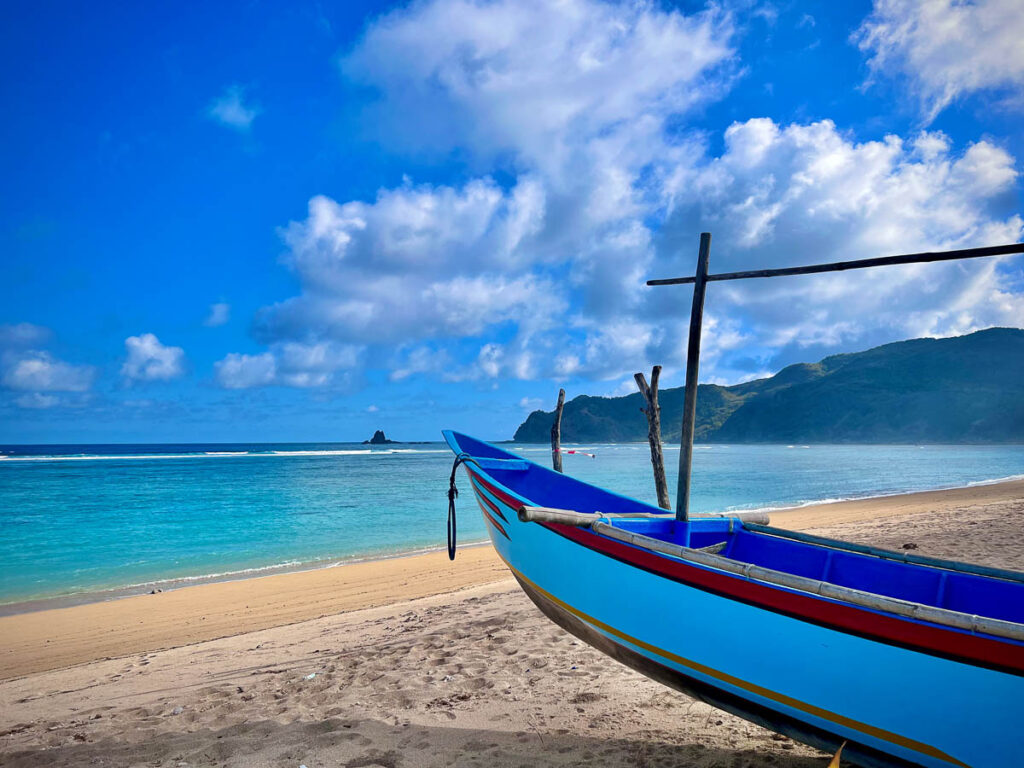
(716, 697)
(891, 704)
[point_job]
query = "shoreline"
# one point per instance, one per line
(87, 597)
(106, 594)
(54, 638)
(409, 661)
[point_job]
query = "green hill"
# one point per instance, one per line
(963, 389)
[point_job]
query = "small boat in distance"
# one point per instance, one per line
(908, 660)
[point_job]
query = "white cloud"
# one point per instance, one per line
(539, 78)
(149, 360)
(420, 262)
(579, 93)
(39, 371)
(422, 360)
(624, 387)
(229, 109)
(238, 371)
(219, 314)
(372, 409)
(582, 107)
(25, 368)
(314, 364)
(946, 48)
(781, 195)
(290, 364)
(37, 400)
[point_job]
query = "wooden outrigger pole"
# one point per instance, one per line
(700, 280)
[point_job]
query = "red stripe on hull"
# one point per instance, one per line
(499, 494)
(973, 649)
(495, 523)
(959, 646)
(492, 506)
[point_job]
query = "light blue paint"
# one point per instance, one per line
(968, 713)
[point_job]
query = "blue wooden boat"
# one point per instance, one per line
(909, 660)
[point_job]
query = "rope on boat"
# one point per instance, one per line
(453, 494)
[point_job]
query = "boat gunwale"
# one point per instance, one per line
(906, 608)
(938, 640)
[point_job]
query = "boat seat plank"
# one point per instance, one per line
(506, 465)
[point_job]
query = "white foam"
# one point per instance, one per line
(355, 452)
(225, 454)
(123, 457)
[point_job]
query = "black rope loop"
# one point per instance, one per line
(453, 493)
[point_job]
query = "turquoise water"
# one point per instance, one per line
(80, 519)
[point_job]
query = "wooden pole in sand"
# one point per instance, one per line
(556, 433)
(692, 368)
(653, 413)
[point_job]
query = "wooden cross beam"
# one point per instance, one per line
(840, 266)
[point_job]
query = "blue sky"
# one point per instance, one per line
(304, 221)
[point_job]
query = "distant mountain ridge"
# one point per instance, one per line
(961, 389)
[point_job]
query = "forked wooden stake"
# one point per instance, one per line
(653, 413)
(556, 434)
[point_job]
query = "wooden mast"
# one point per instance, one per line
(692, 369)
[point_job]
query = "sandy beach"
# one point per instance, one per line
(405, 662)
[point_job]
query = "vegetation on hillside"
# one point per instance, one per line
(963, 389)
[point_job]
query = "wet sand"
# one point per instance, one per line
(406, 662)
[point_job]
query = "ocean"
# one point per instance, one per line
(90, 521)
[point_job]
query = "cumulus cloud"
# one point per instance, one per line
(580, 109)
(230, 110)
(149, 360)
(291, 364)
(40, 371)
(35, 372)
(540, 79)
(218, 315)
(238, 371)
(579, 93)
(781, 195)
(946, 48)
(420, 262)
(422, 360)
